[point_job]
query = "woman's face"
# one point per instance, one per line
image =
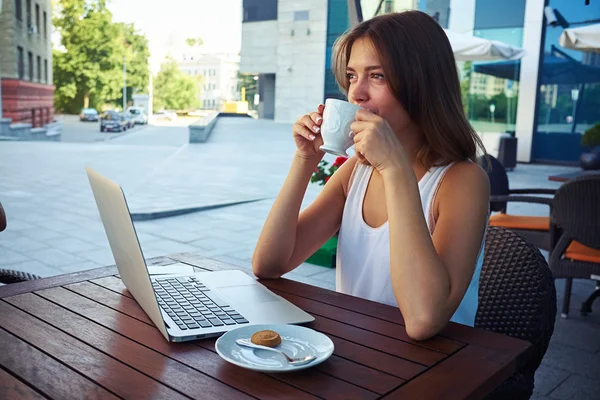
(369, 88)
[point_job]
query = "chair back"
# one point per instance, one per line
(517, 298)
(576, 210)
(498, 180)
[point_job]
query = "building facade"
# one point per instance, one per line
(26, 61)
(217, 77)
(546, 110)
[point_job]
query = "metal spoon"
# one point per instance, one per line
(293, 361)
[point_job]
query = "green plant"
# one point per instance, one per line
(591, 137)
(322, 173)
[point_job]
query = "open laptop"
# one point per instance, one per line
(185, 307)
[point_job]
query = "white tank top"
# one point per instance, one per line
(363, 252)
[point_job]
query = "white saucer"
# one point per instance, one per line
(296, 341)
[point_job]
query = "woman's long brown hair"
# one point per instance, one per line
(420, 69)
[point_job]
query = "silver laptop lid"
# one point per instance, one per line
(124, 244)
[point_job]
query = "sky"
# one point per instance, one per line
(167, 24)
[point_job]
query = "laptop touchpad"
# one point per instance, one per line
(248, 293)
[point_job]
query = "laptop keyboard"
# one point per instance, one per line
(191, 305)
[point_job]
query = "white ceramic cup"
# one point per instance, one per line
(335, 129)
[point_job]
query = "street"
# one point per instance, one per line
(76, 131)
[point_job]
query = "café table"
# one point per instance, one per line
(82, 335)
(572, 175)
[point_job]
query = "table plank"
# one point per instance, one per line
(120, 379)
(209, 363)
(325, 381)
(442, 382)
(47, 375)
(13, 389)
(367, 322)
(456, 332)
(163, 369)
(119, 303)
(376, 341)
(54, 281)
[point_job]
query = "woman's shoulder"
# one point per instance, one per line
(466, 177)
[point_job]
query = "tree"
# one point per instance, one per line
(465, 85)
(174, 90)
(247, 81)
(88, 66)
(193, 42)
(136, 60)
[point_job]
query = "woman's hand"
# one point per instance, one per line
(307, 134)
(376, 143)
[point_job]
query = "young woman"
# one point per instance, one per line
(411, 207)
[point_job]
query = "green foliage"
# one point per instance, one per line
(465, 85)
(193, 42)
(591, 137)
(174, 90)
(323, 172)
(247, 81)
(88, 66)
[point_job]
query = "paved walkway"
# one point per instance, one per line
(54, 227)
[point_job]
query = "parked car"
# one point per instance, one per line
(88, 114)
(139, 115)
(129, 119)
(166, 115)
(113, 121)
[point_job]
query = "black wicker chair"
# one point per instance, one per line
(534, 228)
(517, 298)
(575, 233)
(8, 275)
(2, 219)
(11, 276)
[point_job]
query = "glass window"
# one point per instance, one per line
(28, 5)
(37, 19)
(20, 62)
(438, 9)
(46, 71)
(39, 68)
(568, 102)
(499, 14)
(259, 10)
(571, 103)
(30, 64)
(45, 25)
(490, 90)
(18, 10)
(300, 15)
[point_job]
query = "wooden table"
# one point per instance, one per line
(572, 175)
(82, 336)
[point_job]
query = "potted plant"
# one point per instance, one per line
(591, 140)
(325, 256)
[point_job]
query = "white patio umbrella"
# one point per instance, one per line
(471, 48)
(584, 38)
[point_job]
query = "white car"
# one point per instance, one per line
(138, 114)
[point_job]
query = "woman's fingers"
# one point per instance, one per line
(301, 130)
(309, 122)
(316, 118)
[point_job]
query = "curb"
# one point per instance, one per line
(148, 216)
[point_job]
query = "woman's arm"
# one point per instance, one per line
(430, 275)
(289, 237)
